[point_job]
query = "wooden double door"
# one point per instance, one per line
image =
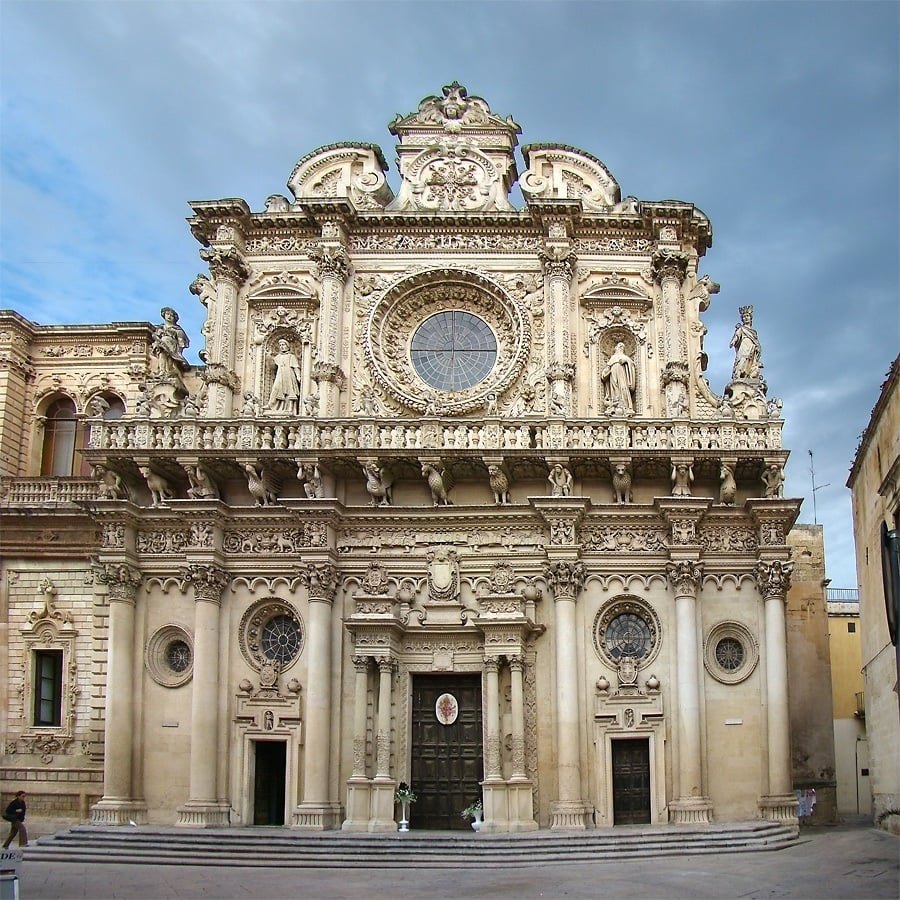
(631, 781)
(447, 759)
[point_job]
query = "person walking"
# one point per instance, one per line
(15, 815)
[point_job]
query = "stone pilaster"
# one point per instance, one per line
(773, 580)
(669, 267)
(558, 262)
(122, 800)
(317, 812)
(203, 809)
(692, 805)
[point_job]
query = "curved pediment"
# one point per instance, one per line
(560, 172)
(347, 170)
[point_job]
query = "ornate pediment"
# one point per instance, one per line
(560, 172)
(348, 170)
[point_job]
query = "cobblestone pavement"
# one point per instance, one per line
(844, 861)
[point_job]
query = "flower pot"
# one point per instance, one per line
(404, 816)
(477, 819)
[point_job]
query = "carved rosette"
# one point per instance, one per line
(667, 263)
(320, 580)
(773, 578)
(209, 582)
(685, 577)
(122, 580)
(502, 578)
(566, 578)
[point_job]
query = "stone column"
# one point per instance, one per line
(358, 784)
(691, 806)
(383, 785)
(332, 270)
(669, 267)
(570, 811)
(520, 799)
(493, 768)
(779, 804)
(229, 270)
(119, 803)
(203, 810)
(316, 811)
(558, 262)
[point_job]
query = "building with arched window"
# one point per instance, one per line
(449, 502)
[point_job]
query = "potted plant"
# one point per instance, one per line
(404, 796)
(476, 811)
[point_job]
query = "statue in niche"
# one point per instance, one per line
(747, 348)
(168, 343)
(560, 479)
(773, 479)
(682, 477)
(619, 382)
(285, 394)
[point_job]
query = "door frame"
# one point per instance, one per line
(246, 772)
(612, 775)
(251, 812)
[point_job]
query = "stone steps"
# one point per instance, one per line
(285, 848)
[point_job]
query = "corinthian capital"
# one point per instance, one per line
(773, 578)
(669, 264)
(208, 581)
(331, 261)
(226, 263)
(122, 579)
(685, 576)
(558, 262)
(320, 580)
(565, 578)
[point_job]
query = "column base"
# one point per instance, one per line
(570, 815)
(313, 816)
(779, 808)
(119, 812)
(691, 811)
(358, 804)
(382, 805)
(200, 814)
(496, 806)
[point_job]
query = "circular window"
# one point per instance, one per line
(170, 656)
(730, 653)
(453, 350)
(271, 631)
(626, 627)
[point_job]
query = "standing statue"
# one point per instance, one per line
(168, 343)
(773, 479)
(746, 348)
(560, 479)
(619, 379)
(285, 394)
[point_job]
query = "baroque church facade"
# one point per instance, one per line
(449, 502)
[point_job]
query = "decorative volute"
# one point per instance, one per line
(348, 170)
(560, 172)
(455, 155)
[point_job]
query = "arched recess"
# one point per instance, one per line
(63, 437)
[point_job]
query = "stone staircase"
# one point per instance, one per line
(279, 847)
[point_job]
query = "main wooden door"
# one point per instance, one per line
(447, 760)
(631, 781)
(268, 782)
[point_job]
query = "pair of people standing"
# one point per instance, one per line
(15, 815)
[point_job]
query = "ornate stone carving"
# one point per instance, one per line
(773, 479)
(160, 489)
(773, 578)
(560, 172)
(351, 170)
(499, 485)
(320, 580)
(685, 576)
(225, 263)
(727, 484)
(122, 579)
(625, 539)
(558, 261)
(379, 481)
(331, 261)
(375, 581)
(566, 578)
(619, 382)
(438, 480)
(202, 484)
(260, 484)
(621, 484)
(667, 263)
(560, 481)
(209, 581)
(682, 479)
(747, 348)
(443, 575)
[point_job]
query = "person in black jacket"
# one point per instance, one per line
(15, 815)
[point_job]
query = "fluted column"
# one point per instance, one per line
(229, 270)
(119, 804)
(316, 811)
(691, 804)
(570, 811)
(493, 768)
(773, 579)
(202, 809)
(332, 269)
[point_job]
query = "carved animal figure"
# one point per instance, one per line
(436, 484)
(379, 483)
(728, 487)
(259, 485)
(499, 485)
(160, 489)
(621, 482)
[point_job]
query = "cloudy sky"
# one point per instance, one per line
(778, 119)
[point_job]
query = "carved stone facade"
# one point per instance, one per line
(433, 438)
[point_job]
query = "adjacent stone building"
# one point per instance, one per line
(449, 501)
(875, 485)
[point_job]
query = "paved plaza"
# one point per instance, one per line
(845, 861)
